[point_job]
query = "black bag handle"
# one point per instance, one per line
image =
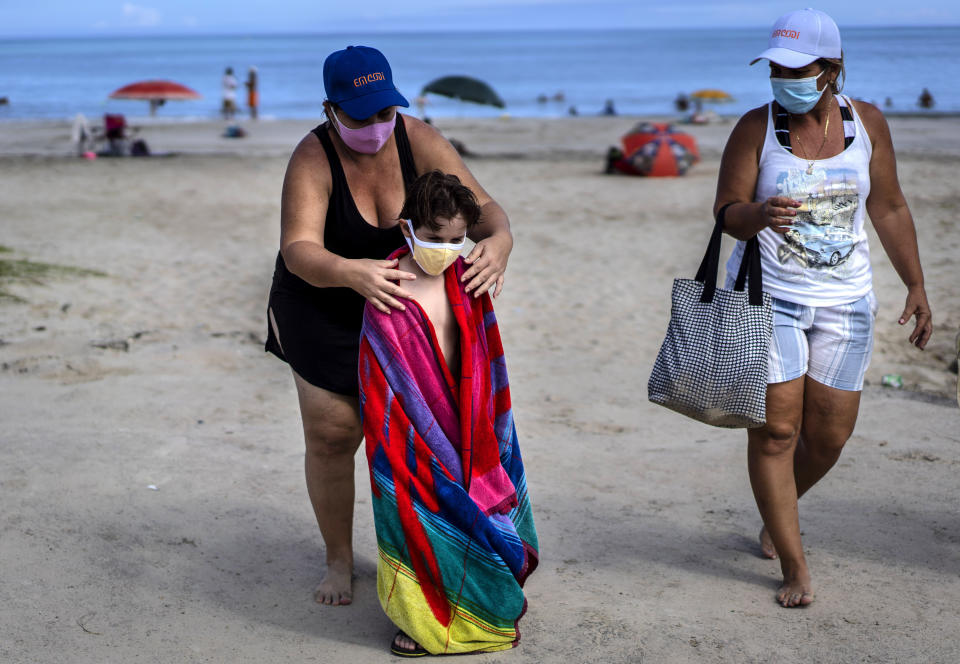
(749, 265)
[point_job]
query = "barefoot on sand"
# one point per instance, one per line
(796, 593)
(767, 549)
(335, 588)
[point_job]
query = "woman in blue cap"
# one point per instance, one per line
(799, 174)
(344, 187)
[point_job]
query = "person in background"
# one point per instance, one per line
(925, 100)
(80, 134)
(342, 193)
(253, 94)
(228, 85)
(801, 174)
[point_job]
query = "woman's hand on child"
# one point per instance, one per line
(379, 282)
(488, 262)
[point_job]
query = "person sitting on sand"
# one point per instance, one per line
(455, 530)
(801, 174)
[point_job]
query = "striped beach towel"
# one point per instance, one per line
(455, 532)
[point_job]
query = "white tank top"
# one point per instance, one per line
(824, 260)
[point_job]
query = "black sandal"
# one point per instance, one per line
(417, 651)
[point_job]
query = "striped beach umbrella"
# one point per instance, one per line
(657, 149)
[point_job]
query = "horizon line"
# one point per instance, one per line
(421, 31)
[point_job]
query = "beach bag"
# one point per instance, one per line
(139, 148)
(712, 365)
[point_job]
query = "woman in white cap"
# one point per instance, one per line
(799, 173)
(342, 194)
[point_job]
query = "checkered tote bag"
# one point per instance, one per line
(712, 365)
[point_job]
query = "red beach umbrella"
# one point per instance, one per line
(148, 90)
(658, 150)
(156, 92)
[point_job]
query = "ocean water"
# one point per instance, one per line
(641, 71)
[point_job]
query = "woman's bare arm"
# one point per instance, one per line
(493, 237)
(303, 211)
(737, 184)
(891, 218)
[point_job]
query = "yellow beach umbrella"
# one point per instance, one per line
(711, 94)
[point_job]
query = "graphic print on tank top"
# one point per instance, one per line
(822, 236)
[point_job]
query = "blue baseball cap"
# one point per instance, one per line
(358, 80)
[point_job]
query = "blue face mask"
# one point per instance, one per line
(797, 95)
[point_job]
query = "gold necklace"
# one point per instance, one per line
(826, 128)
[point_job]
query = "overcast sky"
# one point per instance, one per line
(40, 18)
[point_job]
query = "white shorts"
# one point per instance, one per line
(832, 345)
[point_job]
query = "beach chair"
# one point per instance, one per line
(115, 131)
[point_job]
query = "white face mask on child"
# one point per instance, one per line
(433, 257)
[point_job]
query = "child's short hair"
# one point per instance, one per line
(437, 195)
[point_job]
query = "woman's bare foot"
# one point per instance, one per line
(335, 589)
(404, 646)
(767, 549)
(795, 592)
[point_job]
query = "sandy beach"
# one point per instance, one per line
(151, 456)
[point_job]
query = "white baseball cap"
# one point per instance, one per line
(800, 37)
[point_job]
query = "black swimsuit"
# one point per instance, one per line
(320, 327)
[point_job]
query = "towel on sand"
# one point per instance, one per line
(455, 530)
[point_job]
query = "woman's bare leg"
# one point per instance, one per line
(767, 549)
(332, 432)
(829, 416)
(770, 453)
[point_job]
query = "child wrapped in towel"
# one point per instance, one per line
(455, 532)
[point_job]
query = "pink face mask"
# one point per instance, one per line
(366, 140)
